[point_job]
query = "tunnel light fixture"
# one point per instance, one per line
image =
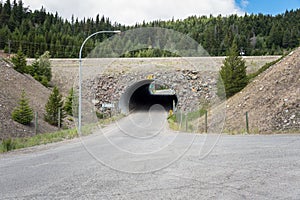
(80, 74)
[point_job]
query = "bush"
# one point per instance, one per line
(45, 65)
(100, 115)
(44, 81)
(19, 61)
(41, 69)
(23, 113)
(52, 108)
(7, 145)
(68, 107)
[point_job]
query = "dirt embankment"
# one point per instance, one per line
(12, 84)
(272, 100)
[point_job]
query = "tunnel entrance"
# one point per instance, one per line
(142, 100)
(138, 97)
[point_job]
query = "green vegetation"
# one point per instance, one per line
(46, 138)
(7, 145)
(54, 108)
(68, 107)
(263, 68)
(173, 124)
(182, 123)
(19, 61)
(41, 69)
(196, 114)
(178, 121)
(108, 120)
(18, 143)
(233, 75)
(38, 31)
(100, 115)
(23, 113)
(149, 52)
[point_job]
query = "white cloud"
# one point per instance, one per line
(131, 11)
(244, 3)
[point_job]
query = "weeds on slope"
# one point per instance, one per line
(46, 138)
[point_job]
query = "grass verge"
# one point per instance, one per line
(109, 120)
(173, 125)
(40, 139)
(186, 121)
(46, 138)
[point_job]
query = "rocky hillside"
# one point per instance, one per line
(12, 83)
(272, 100)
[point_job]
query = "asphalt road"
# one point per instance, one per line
(139, 158)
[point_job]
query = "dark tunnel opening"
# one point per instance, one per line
(142, 100)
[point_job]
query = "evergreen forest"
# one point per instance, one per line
(37, 31)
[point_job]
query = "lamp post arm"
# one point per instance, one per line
(80, 75)
(86, 39)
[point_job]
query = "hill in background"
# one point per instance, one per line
(39, 31)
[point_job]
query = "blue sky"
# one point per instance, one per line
(130, 12)
(272, 7)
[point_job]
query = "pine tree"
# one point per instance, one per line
(233, 75)
(40, 69)
(19, 61)
(23, 113)
(52, 108)
(45, 65)
(5, 12)
(68, 107)
(44, 71)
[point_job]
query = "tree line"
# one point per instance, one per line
(39, 31)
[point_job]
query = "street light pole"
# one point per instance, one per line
(80, 75)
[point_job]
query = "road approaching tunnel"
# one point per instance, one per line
(138, 97)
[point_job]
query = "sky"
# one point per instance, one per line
(130, 12)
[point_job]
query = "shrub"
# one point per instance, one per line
(100, 115)
(52, 108)
(19, 61)
(41, 69)
(8, 145)
(68, 107)
(23, 113)
(45, 65)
